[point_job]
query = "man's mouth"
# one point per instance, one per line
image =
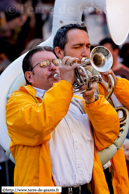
(54, 75)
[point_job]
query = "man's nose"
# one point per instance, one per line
(52, 67)
(85, 52)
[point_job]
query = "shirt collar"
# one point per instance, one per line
(39, 92)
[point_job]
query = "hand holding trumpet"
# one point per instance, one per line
(67, 72)
(89, 96)
(67, 69)
(105, 76)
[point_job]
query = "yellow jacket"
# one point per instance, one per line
(30, 120)
(120, 179)
(121, 91)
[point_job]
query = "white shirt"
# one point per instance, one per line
(72, 147)
(39, 92)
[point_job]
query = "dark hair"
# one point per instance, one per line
(27, 63)
(110, 41)
(60, 38)
(124, 51)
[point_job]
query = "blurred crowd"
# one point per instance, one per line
(22, 25)
(21, 21)
(26, 23)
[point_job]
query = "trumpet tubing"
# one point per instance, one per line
(101, 60)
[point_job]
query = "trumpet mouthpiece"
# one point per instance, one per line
(56, 76)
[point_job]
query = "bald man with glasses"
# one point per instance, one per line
(47, 108)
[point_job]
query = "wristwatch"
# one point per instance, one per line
(96, 98)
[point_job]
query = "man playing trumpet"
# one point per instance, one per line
(55, 135)
(72, 40)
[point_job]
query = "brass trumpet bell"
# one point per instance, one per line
(101, 58)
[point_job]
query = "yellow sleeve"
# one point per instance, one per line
(105, 122)
(121, 91)
(120, 179)
(30, 122)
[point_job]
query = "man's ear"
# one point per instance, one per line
(29, 76)
(59, 52)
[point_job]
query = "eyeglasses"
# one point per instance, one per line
(46, 63)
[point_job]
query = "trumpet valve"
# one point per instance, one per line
(85, 61)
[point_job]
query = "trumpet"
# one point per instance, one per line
(101, 60)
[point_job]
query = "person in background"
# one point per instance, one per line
(124, 54)
(118, 68)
